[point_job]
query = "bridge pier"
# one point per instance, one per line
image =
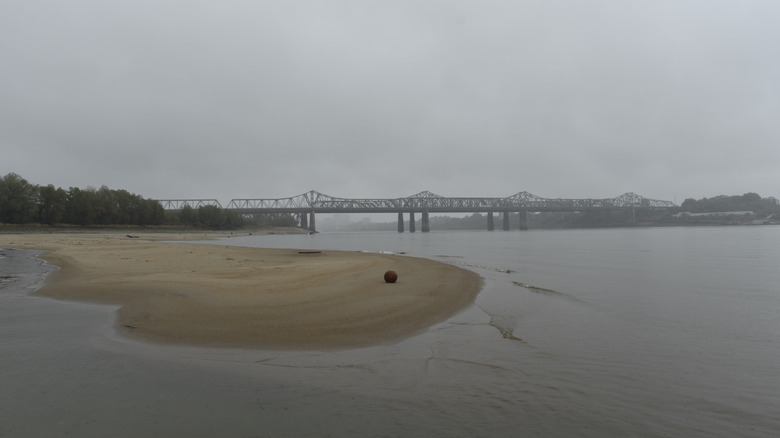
(490, 223)
(411, 222)
(426, 225)
(523, 219)
(400, 222)
(312, 223)
(505, 222)
(304, 220)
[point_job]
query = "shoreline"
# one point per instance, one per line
(238, 297)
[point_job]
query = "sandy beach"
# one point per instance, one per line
(223, 296)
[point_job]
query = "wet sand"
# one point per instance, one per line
(224, 296)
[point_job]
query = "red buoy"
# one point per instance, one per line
(391, 276)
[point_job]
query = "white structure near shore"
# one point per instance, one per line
(713, 213)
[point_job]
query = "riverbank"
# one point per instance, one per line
(223, 296)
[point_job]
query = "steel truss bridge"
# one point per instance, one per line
(303, 207)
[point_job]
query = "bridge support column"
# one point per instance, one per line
(411, 222)
(400, 222)
(491, 224)
(632, 218)
(304, 220)
(505, 221)
(523, 219)
(312, 223)
(426, 224)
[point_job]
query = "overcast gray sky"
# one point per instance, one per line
(261, 99)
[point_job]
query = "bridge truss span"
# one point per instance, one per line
(305, 205)
(178, 204)
(432, 202)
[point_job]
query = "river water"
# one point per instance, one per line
(645, 332)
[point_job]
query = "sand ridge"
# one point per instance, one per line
(226, 296)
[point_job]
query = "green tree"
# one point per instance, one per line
(80, 208)
(51, 204)
(126, 207)
(751, 197)
(17, 199)
(155, 213)
(211, 216)
(234, 220)
(105, 206)
(688, 205)
(189, 216)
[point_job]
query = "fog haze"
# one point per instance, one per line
(263, 99)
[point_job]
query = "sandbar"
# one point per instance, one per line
(238, 297)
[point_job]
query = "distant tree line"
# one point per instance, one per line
(211, 216)
(24, 203)
(207, 216)
(747, 202)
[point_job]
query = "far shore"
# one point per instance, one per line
(223, 296)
